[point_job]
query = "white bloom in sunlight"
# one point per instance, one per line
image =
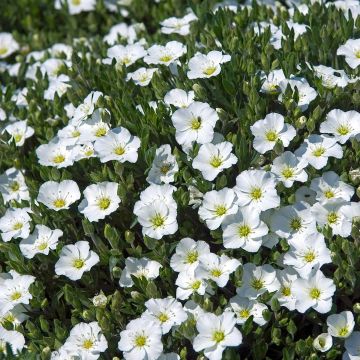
(272, 81)
(165, 55)
(269, 131)
(212, 159)
(59, 49)
(14, 224)
(13, 186)
(256, 188)
(314, 292)
(94, 128)
(141, 340)
(101, 199)
(53, 67)
(58, 196)
(352, 347)
(56, 153)
(41, 241)
(299, 29)
(118, 144)
(317, 149)
(76, 6)
(123, 31)
(139, 268)
(87, 107)
(16, 316)
(125, 55)
(329, 187)
(179, 98)
(293, 221)
(84, 151)
(343, 125)
(206, 66)
(57, 85)
(285, 295)
(179, 26)
(215, 334)
(216, 268)
(19, 131)
(14, 338)
(330, 77)
(323, 342)
(188, 283)
(305, 255)
(8, 45)
(164, 166)
(195, 123)
(187, 254)
(289, 168)
(166, 313)
(341, 325)
(257, 280)
(351, 51)
(337, 214)
(141, 76)
(216, 206)
(244, 230)
(75, 259)
(306, 93)
(86, 341)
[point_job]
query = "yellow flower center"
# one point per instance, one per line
(343, 130)
(16, 295)
(357, 54)
(126, 60)
(140, 340)
(119, 150)
(295, 224)
(89, 152)
(286, 291)
(166, 58)
(332, 218)
(196, 123)
(88, 344)
(343, 331)
(257, 284)
(3, 50)
(42, 246)
(329, 194)
(103, 203)
(18, 226)
(216, 273)
(220, 210)
(191, 257)
(244, 230)
(322, 342)
(163, 317)
(17, 137)
(309, 256)
(158, 221)
(58, 159)
(216, 161)
(315, 293)
(78, 263)
(273, 88)
(244, 313)
(196, 284)
(165, 168)
(287, 173)
(76, 2)
(75, 133)
(319, 151)
(218, 336)
(100, 132)
(8, 317)
(59, 203)
(256, 193)
(271, 135)
(209, 70)
(14, 186)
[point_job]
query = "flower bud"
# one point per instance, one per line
(99, 300)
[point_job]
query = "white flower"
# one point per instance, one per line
(75, 259)
(317, 149)
(15, 224)
(329, 187)
(341, 325)
(125, 55)
(94, 128)
(306, 93)
(330, 77)
(272, 81)
(343, 125)
(304, 255)
(84, 151)
(216, 206)
(206, 66)
(141, 340)
(314, 292)
(257, 280)
(100, 200)
(166, 313)
(19, 131)
(216, 268)
(293, 221)
(244, 308)
(87, 107)
(41, 241)
(15, 316)
(306, 195)
(256, 188)
(141, 76)
(76, 6)
(188, 283)
(289, 168)
(285, 295)
(122, 31)
(212, 159)
(14, 338)
(323, 342)
(269, 130)
(165, 55)
(188, 253)
(215, 334)
(244, 230)
(8, 45)
(195, 123)
(143, 267)
(13, 186)
(352, 346)
(299, 29)
(118, 144)
(53, 67)
(57, 153)
(57, 85)
(164, 166)
(179, 98)
(179, 26)
(351, 51)
(86, 341)
(58, 196)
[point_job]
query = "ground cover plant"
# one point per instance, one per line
(179, 180)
